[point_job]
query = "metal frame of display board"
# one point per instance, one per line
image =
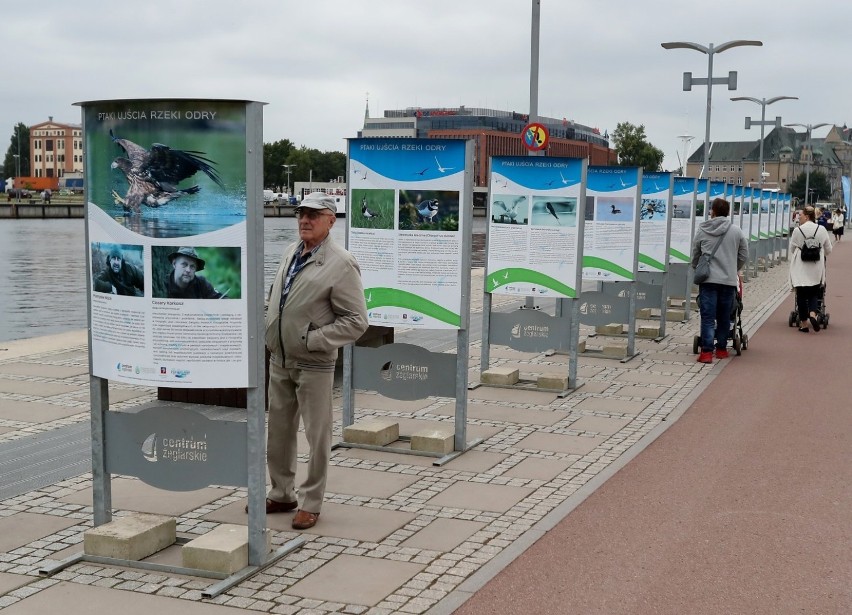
(739, 198)
(369, 368)
(786, 222)
(116, 435)
(554, 334)
(778, 203)
(763, 244)
(752, 229)
(609, 300)
(680, 274)
(658, 280)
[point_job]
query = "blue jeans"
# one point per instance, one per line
(715, 302)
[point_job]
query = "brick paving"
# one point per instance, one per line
(399, 552)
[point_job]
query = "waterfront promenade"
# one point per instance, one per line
(398, 535)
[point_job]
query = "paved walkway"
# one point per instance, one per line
(397, 534)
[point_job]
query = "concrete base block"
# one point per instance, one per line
(552, 381)
(648, 332)
(433, 441)
(223, 549)
(372, 431)
(675, 315)
(643, 313)
(581, 346)
(500, 375)
(676, 302)
(613, 329)
(614, 351)
(133, 537)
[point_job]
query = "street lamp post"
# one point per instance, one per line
(809, 128)
(688, 81)
(287, 168)
(763, 102)
(17, 158)
(686, 139)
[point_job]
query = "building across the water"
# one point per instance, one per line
(494, 133)
(786, 155)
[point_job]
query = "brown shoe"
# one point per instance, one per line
(278, 507)
(304, 520)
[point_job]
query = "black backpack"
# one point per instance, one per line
(811, 249)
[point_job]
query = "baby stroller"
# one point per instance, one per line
(738, 338)
(821, 311)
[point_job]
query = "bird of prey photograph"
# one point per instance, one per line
(154, 175)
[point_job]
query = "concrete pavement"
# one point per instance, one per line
(397, 534)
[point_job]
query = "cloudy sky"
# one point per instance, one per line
(315, 62)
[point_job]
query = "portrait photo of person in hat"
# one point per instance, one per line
(117, 276)
(176, 272)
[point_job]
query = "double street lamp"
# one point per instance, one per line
(287, 168)
(763, 102)
(809, 128)
(688, 81)
(17, 158)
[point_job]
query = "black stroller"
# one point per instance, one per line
(821, 311)
(738, 337)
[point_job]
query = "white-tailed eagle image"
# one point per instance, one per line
(153, 175)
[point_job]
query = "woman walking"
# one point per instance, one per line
(807, 277)
(838, 220)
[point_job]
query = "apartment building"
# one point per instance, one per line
(56, 149)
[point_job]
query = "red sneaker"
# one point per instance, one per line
(705, 357)
(722, 354)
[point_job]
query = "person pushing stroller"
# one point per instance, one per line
(807, 269)
(717, 294)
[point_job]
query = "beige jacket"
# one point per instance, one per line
(324, 310)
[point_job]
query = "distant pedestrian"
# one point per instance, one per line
(822, 218)
(717, 294)
(838, 220)
(808, 277)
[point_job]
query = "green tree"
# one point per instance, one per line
(274, 157)
(819, 185)
(21, 132)
(326, 166)
(314, 165)
(633, 147)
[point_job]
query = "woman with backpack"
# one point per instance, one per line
(809, 245)
(838, 220)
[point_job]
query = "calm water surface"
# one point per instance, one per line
(44, 273)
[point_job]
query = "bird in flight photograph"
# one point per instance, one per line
(153, 175)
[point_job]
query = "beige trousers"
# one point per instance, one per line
(294, 393)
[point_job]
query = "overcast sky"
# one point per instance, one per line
(314, 62)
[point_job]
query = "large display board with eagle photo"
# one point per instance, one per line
(167, 187)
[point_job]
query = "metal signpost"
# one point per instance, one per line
(534, 248)
(143, 233)
(410, 228)
(655, 226)
(611, 249)
(682, 232)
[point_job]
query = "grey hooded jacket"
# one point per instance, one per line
(730, 257)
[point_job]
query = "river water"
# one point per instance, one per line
(43, 278)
